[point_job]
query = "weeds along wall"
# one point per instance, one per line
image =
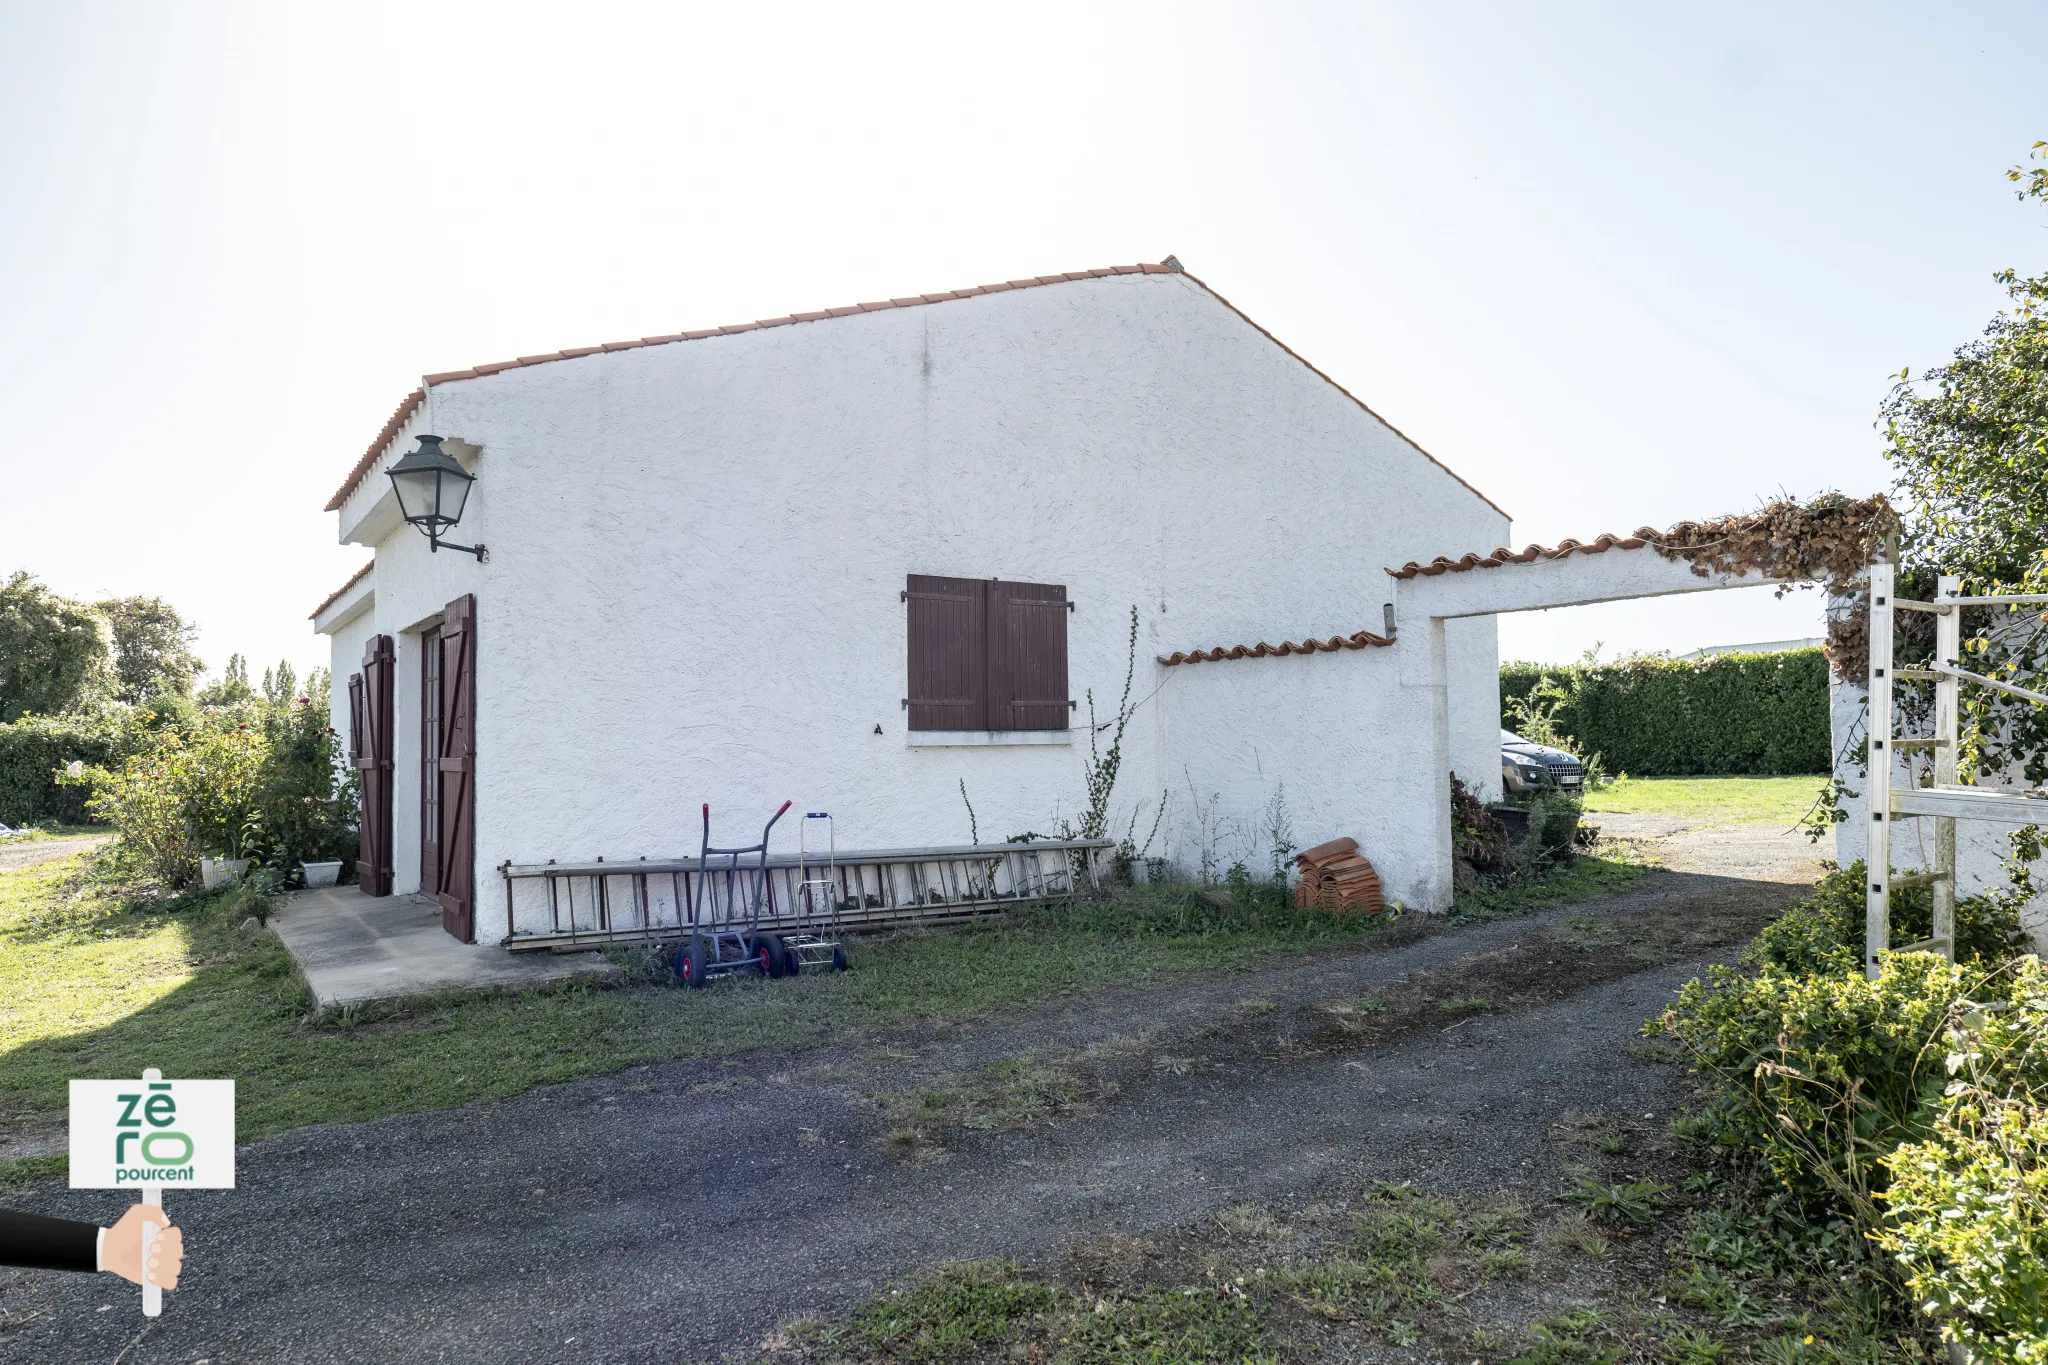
(1728, 714)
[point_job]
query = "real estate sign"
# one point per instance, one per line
(152, 1132)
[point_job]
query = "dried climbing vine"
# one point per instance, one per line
(1831, 539)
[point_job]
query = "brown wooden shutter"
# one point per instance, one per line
(948, 631)
(1027, 671)
(457, 892)
(373, 744)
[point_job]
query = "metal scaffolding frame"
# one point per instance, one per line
(1947, 800)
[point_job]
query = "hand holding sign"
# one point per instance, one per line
(143, 1135)
(121, 1250)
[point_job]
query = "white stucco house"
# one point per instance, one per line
(861, 557)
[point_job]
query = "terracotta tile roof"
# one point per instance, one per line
(358, 576)
(1361, 640)
(355, 476)
(1169, 266)
(1493, 559)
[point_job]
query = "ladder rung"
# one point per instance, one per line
(1920, 744)
(1916, 675)
(1920, 879)
(1926, 945)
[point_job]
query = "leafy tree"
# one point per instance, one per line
(54, 653)
(1969, 439)
(280, 684)
(152, 648)
(1968, 442)
(233, 688)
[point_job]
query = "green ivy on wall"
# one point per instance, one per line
(1724, 715)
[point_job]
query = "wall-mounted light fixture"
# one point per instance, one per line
(431, 488)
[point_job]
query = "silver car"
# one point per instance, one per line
(1527, 768)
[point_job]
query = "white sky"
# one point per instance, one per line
(1614, 263)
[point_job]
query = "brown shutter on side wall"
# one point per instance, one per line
(948, 620)
(458, 769)
(1027, 673)
(372, 741)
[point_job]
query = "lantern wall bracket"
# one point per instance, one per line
(435, 544)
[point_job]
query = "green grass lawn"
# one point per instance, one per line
(92, 987)
(1721, 800)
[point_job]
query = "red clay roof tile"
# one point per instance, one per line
(1493, 559)
(1358, 640)
(336, 595)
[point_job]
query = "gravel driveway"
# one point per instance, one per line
(28, 852)
(683, 1211)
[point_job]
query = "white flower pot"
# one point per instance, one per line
(321, 874)
(218, 872)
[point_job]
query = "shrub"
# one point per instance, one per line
(1824, 932)
(1967, 1209)
(1821, 1076)
(260, 781)
(1906, 1102)
(182, 798)
(36, 749)
(1553, 827)
(302, 812)
(1726, 714)
(1477, 835)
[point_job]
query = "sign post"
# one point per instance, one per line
(144, 1135)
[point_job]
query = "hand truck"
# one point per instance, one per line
(816, 942)
(728, 939)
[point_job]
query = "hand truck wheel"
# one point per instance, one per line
(690, 964)
(766, 951)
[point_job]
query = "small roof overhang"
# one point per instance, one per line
(347, 602)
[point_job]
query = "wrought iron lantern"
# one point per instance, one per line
(432, 488)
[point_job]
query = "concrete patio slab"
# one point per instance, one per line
(355, 948)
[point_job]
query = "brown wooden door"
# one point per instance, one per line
(430, 762)
(370, 694)
(457, 881)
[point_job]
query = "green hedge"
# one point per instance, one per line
(34, 749)
(1723, 715)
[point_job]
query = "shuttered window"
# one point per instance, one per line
(987, 654)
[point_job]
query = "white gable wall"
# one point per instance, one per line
(697, 552)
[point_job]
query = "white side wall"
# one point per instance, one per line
(697, 552)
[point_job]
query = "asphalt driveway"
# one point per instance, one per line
(684, 1211)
